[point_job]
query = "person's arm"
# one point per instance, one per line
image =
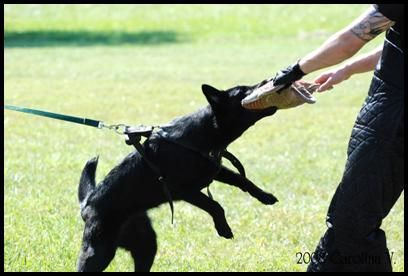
(339, 47)
(361, 64)
(346, 42)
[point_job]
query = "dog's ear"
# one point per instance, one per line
(213, 95)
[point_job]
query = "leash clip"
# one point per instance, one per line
(118, 128)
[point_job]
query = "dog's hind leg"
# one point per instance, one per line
(214, 209)
(227, 176)
(98, 247)
(137, 235)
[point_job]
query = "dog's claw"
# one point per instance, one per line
(228, 236)
(226, 233)
(267, 199)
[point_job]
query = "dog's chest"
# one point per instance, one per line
(183, 166)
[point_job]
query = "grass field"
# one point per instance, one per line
(144, 64)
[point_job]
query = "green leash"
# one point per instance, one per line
(119, 128)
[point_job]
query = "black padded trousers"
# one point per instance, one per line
(372, 182)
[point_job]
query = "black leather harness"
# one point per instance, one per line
(134, 136)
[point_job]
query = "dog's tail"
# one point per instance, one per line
(87, 181)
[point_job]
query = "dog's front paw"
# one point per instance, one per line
(224, 231)
(267, 198)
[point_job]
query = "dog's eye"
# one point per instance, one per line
(248, 92)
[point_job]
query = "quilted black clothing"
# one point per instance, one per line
(373, 178)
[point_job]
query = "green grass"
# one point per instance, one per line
(145, 64)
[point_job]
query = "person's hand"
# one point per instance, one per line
(288, 76)
(328, 79)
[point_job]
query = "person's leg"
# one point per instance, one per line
(372, 182)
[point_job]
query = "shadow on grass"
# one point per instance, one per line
(56, 38)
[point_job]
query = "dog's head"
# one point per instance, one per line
(230, 116)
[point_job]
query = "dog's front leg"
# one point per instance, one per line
(227, 176)
(214, 209)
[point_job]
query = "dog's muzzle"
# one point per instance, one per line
(268, 95)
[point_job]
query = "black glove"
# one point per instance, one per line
(288, 76)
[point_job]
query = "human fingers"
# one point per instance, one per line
(322, 78)
(327, 85)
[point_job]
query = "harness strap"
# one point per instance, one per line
(156, 170)
(134, 137)
(135, 134)
(224, 153)
(234, 161)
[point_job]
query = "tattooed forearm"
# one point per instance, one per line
(371, 25)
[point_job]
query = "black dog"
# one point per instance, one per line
(115, 212)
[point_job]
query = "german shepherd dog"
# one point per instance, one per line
(115, 211)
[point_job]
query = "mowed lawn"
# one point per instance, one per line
(144, 64)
